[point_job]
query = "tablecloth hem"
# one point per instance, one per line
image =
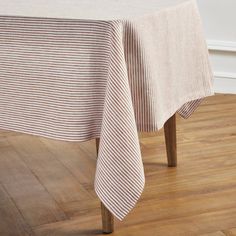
(49, 136)
(173, 110)
(121, 215)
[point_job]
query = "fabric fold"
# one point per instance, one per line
(119, 180)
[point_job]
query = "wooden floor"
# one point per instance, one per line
(46, 186)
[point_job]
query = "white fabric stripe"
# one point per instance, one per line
(75, 80)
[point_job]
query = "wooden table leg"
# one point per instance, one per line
(170, 138)
(107, 217)
(107, 220)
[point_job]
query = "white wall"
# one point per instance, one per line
(219, 21)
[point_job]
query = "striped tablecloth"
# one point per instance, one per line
(109, 74)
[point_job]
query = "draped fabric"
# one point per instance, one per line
(76, 80)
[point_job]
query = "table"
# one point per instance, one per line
(76, 70)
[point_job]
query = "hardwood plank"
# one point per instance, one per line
(30, 197)
(230, 232)
(218, 233)
(57, 179)
(3, 142)
(174, 207)
(189, 225)
(12, 222)
(79, 162)
(83, 226)
(82, 208)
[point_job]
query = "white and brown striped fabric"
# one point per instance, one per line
(78, 79)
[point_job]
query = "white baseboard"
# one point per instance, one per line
(217, 45)
(225, 82)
